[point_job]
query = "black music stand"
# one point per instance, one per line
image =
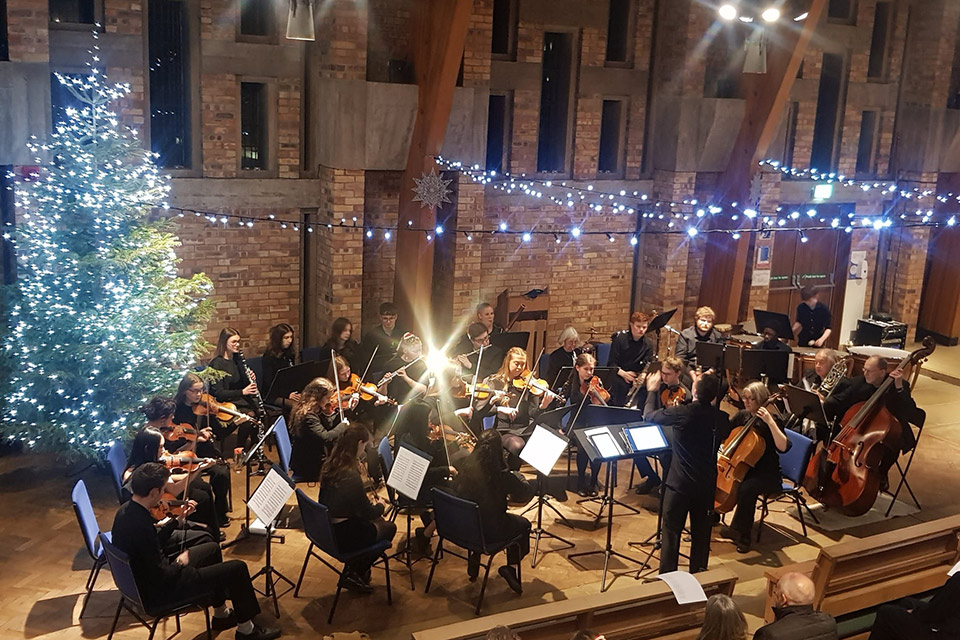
(504, 341)
(806, 405)
(543, 461)
(295, 378)
(760, 364)
(660, 321)
(597, 416)
(271, 575)
(609, 443)
(248, 460)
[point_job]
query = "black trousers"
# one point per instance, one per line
(896, 623)
(206, 511)
(752, 487)
(228, 580)
(354, 534)
(676, 507)
(219, 479)
(512, 526)
(582, 460)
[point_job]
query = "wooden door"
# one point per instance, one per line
(820, 262)
(939, 303)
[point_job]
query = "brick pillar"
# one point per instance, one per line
(341, 44)
(758, 297)
(340, 251)
(468, 268)
(589, 107)
(526, 102)
(28, 31)
(476, 48)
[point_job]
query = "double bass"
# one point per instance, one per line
(741, 451)
(846, 475)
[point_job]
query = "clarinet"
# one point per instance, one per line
(261, 410)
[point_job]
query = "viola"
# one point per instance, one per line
(186, 460)
(226, 411)
(536, 386)
(169, 505)
(594, 386)
(449, 434)
(670, 398)
(846, 474)
(741, 451)
(180, 432)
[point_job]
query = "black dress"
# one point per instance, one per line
(558, 359)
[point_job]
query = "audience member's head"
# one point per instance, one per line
(501, 632)
(794, 589)
(587, 634)
(723, 620)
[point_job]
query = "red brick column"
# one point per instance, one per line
(28, 31)
(341, 250)
(468, 268)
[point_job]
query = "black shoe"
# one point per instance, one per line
(554, 490)
(421, 543)
(223, 536)
(225, 522)
(224, 622)
(352, 582)
(593, 492)
(366, 575)
(647, 486)
(885, 484)
(473, 565)
(743, 546)
(259, 633)
(509, 574)
(583, 492)
(729, 533)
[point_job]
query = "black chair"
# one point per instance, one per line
(918, 420)
(90, 529)
(314, 354)
(319, 531)
(117, 461)
(793, 467)
(131, 601)
(458, 521)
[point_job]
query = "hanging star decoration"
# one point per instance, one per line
(756, 189)
(431, 190)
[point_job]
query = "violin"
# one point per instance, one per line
(226, 411)
(466, 440)
(180, 432)
(186, 460)
(536, 386)
(169, 506)
(366, 391)
(482, 391)
(594, 386)
(670, 398)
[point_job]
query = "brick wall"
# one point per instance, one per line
(28, 31)
(381, 194)
(476, 48)
(341, 250)
(390, 33)
(220, 124)
(255, 273)
(341, 45)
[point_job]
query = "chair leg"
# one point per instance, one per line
(336, 597)
(386, 572)
(763, 516)
(91, 582)
(433, 565)
(116, 619)
(483, 586)
(303, 571)
(206, 615)
(803, 522)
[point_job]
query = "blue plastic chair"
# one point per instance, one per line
(603, 353)
(319, 531)
(117, 461)
(131, 600)
(793, 467)
(489, 422)
(90, 529)
(458, 521)
(284, 447)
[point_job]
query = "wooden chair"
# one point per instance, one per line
(639, 612)
(862, 574)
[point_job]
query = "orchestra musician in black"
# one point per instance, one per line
(630, 351)
(563, 356)
(701, 331)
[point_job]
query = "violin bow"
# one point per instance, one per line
(443, 440)
(336, 380)
(476, 373)
(366, 369)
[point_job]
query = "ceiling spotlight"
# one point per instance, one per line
(770, 14)
(727, 11)
(746, 19)
(801, 17)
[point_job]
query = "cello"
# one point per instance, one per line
(846, 475)
(741, 451)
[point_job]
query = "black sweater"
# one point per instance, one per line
(272, 364)
(345, 497)
(230, 388)
(309, 446)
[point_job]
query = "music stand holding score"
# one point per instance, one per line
(542, 450)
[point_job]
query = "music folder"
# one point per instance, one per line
(804, 404)
(295, 378)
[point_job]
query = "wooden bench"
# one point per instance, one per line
(639, 612)
(863, 574)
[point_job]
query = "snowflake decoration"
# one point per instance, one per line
(431, 190)
(756, 189)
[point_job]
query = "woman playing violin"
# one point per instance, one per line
(582, 382)
(347, 381)
(148, 446)
(314, 427)
(764, 477)
(516, 407)
(187, 438)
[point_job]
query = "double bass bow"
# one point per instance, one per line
(846, 475)
(741, 451)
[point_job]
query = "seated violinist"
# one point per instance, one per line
(583, 384)
(185, 438)
(407, 373)
(342, 343)
(191, 572)
(850, 391)
(315, 427)
(514, 406)
(665, 388)
(194, 408)
(185, 484)
(764, 477)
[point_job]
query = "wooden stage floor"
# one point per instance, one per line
(45, 565)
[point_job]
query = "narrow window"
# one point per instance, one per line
(504, 28)
(842, 10)
(256, 17)
(618, 31)
(4, 44)
(611, 134)
(253, 125)
(828, 106)
(169, 83)
(72, 11)
(877, 66)
(790, 142)
(497, 133)
(866, 149)
(554, 102)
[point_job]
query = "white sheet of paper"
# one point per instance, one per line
(269, 498)
(685, 587)
(542, 450)
(408, 471)
(955, 569)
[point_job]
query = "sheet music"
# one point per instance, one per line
(408, 471)
(542, 450)
(685, 587)
(269, 498)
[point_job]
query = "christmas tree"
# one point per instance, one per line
(98, 320)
